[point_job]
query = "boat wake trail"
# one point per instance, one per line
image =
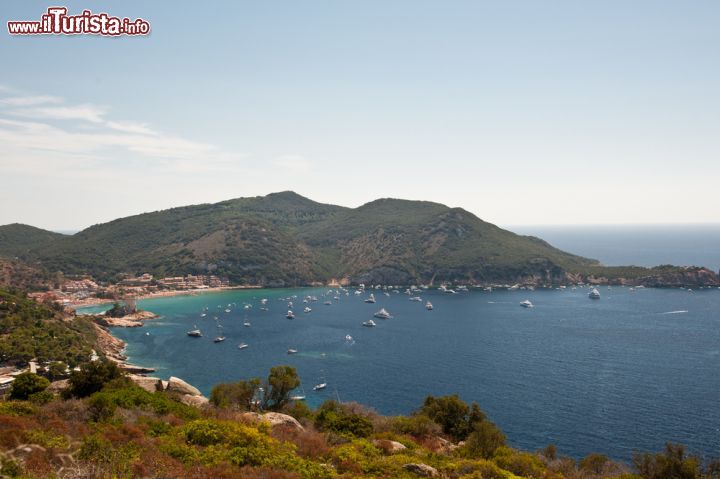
(682, 311)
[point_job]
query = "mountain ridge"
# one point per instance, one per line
(285, 239)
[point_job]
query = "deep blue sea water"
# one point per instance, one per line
(649, 245)
(625, 373)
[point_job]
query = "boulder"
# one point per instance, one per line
(447, 447)
(195, 401)
(274, 419)
(149, 384)
(422, 470)
(278, 419)
(179, 386)
(390, 447)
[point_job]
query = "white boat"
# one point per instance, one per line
(348, 337)
(594, 294)
(416, 298)
(195, 333)
(307, 309)
(327, 303)
(202, 315)
(382, 314)
(263, 301)
(242, 345)
(299, 397)
(320, 386)
(526, 304)
(370, 299)
(369, 323)
(247, 324)
(292, 351)
(290, 315)
(428, 306)
(219, 339)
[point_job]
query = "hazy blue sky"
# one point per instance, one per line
(520, 111)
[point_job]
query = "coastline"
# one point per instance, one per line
(158, 294)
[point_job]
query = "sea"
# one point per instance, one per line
(619, 375)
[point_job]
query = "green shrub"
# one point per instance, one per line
(135, 397)
(333, 417)
(483, 441)
(672, 463)
(521, 464)
(91, 377)
(14, 408)
(417, 425)
(10, 468)
(205, 433)
(101, 407)
(57, 370)
(237, 395)
(280, 383)
(454, 416)
(483, 469)
(42, 397)
(26, 384)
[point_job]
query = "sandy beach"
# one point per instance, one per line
(158, 294)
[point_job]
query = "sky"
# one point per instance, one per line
(522, 112)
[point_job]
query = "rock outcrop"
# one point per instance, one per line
(181, 387)
(134, 320)
(274, 419)
(149, 384)
(195, 401)
(388, 446)
(422, 470)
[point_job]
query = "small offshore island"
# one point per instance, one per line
(73, 406)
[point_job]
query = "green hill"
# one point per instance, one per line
(286, 239)
(18, 240)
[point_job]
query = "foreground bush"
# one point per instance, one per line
(27, 384)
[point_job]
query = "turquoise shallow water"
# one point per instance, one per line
(625, 373)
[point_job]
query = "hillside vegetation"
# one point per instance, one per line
(30, 330)
(284, 239)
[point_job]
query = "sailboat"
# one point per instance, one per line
(219, 338)
(195, 333)
(594, 294)
(382, 314)
(370, 299)
(369, 323)
(299, 397)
